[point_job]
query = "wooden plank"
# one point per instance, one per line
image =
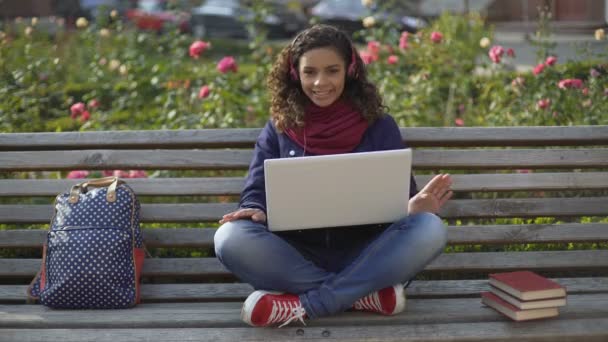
(197, 212)
(472, 234)
(572, 330)
(245, 137)
(205, 186)
(535, 233)
(239, 159)
(576, 260)
(239, 291)
(226, 314)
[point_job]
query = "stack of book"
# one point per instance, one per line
(524, 295)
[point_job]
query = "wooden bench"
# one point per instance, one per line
(196, 299)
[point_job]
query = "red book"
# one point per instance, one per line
(527, 285)
(511, 311)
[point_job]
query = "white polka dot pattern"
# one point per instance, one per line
(90, 260)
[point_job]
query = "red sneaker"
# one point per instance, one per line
(263, 308)
(388, 301)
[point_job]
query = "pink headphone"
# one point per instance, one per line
(351, 72)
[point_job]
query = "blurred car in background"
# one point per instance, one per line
(348, 15)
(155, 16)
(226, 19)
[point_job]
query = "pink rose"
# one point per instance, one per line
(459, 122)
(518, 82)
(570, 83)
(120, 174)
(93, 103)
(197, 48)
(366, 57)
(138, 174)
(77, 109)
(594, 73)
(403, 40)
(496, 53)
(543, 103)
(226, 64)
(538, 69)
(374, 48)
(585, 91)
(551, 60)
(392, 59)
(78, 174)
(107, 173)
(204, 92)
(436, 37)
(85, 116)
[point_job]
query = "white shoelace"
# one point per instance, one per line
(287, 311)
(369, 302)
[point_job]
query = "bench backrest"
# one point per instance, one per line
(513, 187)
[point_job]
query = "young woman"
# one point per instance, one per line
(322, 103)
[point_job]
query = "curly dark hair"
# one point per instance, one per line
(288, 100)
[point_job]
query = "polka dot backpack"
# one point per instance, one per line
(94, 253)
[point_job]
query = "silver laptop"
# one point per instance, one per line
(337, 190)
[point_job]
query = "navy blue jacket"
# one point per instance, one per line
(383, 134)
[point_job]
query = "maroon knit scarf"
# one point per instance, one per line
(337, 128)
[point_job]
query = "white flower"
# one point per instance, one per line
(114, 64)
(367, 3)
(600, 34)
(104, 32)
(369, 22)
(484, 42)
(82, 22)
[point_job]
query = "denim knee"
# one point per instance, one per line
(230, 238)
(433, 229)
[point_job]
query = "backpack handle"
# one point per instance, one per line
(110, 182)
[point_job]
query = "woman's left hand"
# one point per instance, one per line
(433, 196)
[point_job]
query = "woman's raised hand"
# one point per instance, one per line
(256, 215)
(433, 196)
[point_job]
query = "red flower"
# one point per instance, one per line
(538, 69)
(85, 116)
(121, 174)
(226, 64)
(551, 60)
(197, 48)
(511, 52)
(570, 83)
(459, 122)
(392, 59)
(77, 109)
(436, 37)
(137, 174)
(374, 48)
(403, 44)
(366, 57)
(543, 103)
(204, 92)
(496, 53)
(78, 174)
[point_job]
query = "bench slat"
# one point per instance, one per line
(491, 208)
(245, 137)
(239, 159)
(571, 330)
(233, 185)
(239, 291)
(461, 262)
(472, 234)
(182, 315)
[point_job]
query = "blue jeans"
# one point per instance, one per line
(268, 262)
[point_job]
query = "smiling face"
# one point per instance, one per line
(322, 75)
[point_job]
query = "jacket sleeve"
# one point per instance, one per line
(392, 140)
(266, 147)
